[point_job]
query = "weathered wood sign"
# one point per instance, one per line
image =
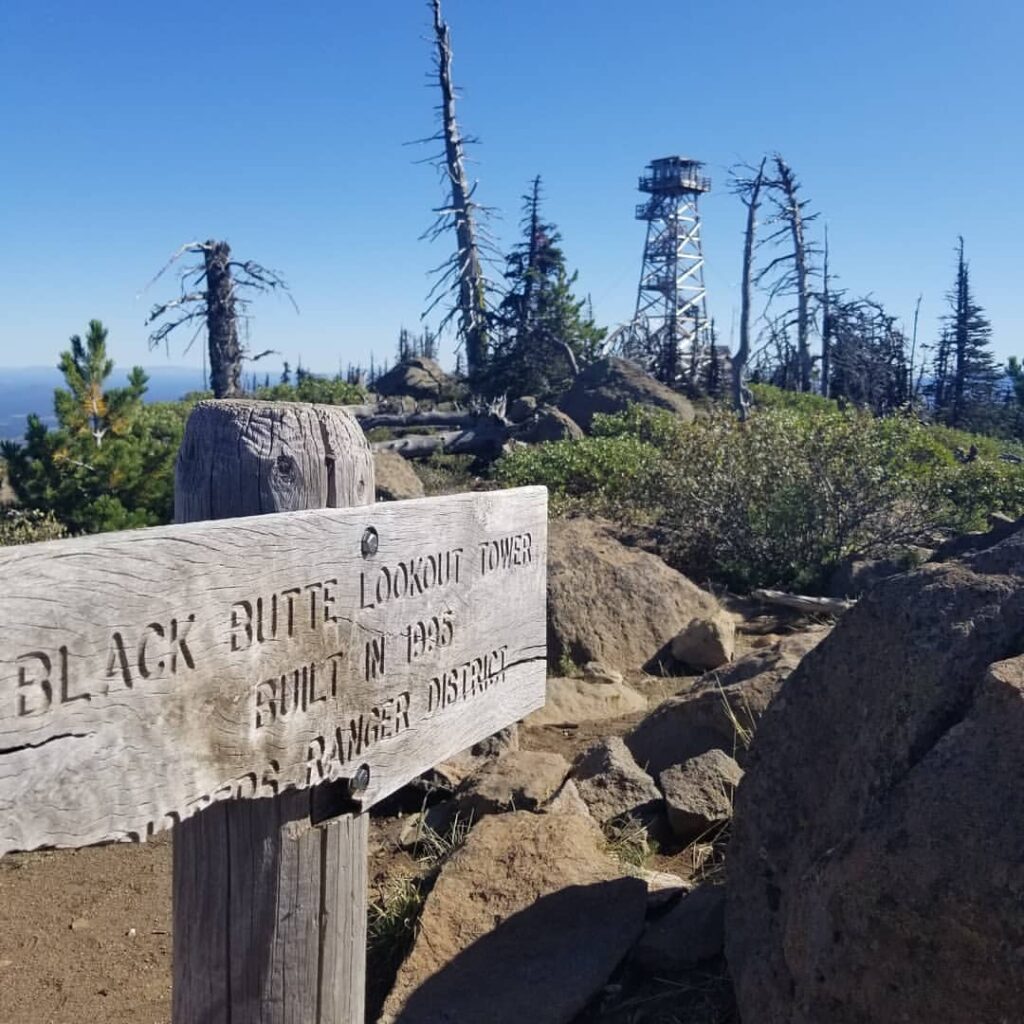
(148, 674)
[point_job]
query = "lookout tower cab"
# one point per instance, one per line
(672, 176)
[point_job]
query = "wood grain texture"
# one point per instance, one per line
(275, 933)
(135, 688)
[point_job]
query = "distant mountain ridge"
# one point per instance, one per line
(24, 390)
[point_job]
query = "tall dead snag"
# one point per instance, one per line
(749, 191)
(794, 217)
(462, 274)
(790, 273)
(209, 297)
(826, 324)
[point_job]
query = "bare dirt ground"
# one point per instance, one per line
(85, 935)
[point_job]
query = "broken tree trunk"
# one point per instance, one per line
(222, 322)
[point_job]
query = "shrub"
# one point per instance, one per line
(781, 499)
(319, 390)
(608, 475)
(29, 525)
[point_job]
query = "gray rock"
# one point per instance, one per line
(611, 385)
(522, 409)
(419, 377)
(520, 781)
(699, 793)
(611, 783)
(706, 643)
(547, 424)
(526, 922)
(692, 931)
(567, 801)
(395, 478)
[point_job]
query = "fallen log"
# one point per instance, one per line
(417, 419)
(802, 603)
(486, 438)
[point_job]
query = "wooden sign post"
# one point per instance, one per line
(268, 672)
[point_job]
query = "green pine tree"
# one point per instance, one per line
(545, 331)
(966, 374)
(109, 463)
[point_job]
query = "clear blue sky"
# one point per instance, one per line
(130, 128)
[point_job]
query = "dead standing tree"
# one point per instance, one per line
(790, 273)
(462, 274)
(749, 191)
(210, 298)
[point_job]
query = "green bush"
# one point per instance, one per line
(319, 390)
(767, 396)
(781, 499)
(29, 525)
(604, 475)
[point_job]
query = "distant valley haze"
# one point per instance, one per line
(27, 389)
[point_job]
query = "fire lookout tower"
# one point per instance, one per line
(669, 333)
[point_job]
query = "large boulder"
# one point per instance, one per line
(722, 709)
(614, 604)
(611, 385)
(876, 871)
(419, 377)
(571, 701)
(395, 478)
(526, 922)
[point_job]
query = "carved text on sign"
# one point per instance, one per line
(239, 658)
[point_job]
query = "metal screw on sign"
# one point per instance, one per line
(370, 542)
(360, 781)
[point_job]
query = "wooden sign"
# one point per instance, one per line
(145, 675)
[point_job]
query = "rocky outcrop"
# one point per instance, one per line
(526, 922)
(395, 479)
(699, 793)
(571, 701)
(875, 871)
(612, 785)
(614, 604)
(420, 378)
(722, 709)
(611, 385)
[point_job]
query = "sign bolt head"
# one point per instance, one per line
(370, 542)
(361, 780)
